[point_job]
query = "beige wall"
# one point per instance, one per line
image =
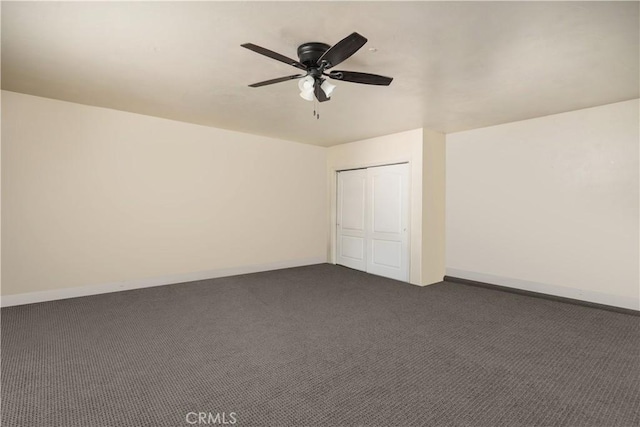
(92, 196)
(549, 204)
(396, 148)
(433, 206)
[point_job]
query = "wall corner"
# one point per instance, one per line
(433, 206)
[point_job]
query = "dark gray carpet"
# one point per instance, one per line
(318, 345)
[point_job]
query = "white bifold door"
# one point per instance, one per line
(373, 220)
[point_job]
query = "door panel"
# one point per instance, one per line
(388, 207)
(351, 220)
(387, 204)
(353, 202)
(352, 247)
(386, 253)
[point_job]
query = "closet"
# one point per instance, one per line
(373, 220)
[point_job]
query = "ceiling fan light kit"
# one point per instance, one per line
(316, 59)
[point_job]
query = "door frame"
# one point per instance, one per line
(333, 197)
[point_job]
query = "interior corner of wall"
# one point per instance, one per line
(433, 207)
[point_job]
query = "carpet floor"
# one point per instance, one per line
(318, 345)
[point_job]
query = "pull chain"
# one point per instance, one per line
(316, 108)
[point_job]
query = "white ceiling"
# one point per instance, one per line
(457, 65)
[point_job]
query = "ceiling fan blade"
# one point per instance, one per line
(364, 78)
(320, 95)
(273, 55)
(342, 50)
(278, 80)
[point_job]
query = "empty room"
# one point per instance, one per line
(320, 213)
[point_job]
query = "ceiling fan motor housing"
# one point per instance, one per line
(309, 53)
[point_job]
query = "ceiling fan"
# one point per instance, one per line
(315, 59)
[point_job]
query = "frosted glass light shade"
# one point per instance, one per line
(307, 94)
(306, 83)
(327, 88)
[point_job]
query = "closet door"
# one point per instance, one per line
(351, 221)
(373, 220)
(387, 208)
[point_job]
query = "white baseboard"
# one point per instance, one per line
(81, 291)
(544, 288)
